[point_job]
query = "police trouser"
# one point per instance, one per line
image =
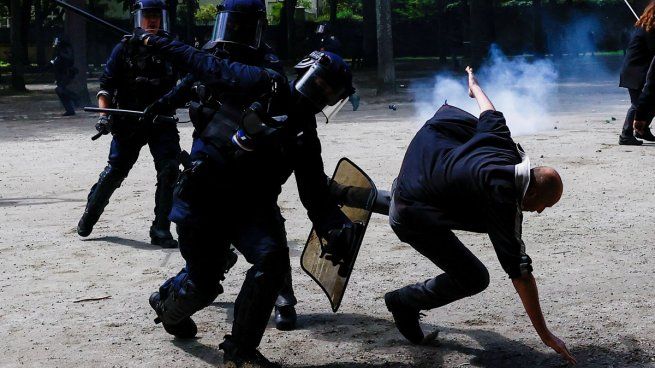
(208, 222)
(66, 96)
(164, 144)
(628, 129)
(464, 274)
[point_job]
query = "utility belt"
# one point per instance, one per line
(216, 126)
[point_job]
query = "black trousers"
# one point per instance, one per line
(463, 273)
(628, 130)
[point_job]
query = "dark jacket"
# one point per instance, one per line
(136, 77)
(636, 62)
(257, 177)
(461, 173)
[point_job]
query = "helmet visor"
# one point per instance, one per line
(239, 28)
(331, 112)
(316, 86)
(151, 19)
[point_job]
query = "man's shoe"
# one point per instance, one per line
(237, 357)
(185, 329)
(647, 136)
(285, 318)
(163, 238)
(68, 113)
(405, 317)
(83, 228)
(628, 140)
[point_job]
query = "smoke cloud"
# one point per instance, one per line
(523, 90)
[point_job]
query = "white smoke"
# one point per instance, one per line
(523, 90)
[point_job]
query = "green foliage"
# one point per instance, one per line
(206, 14)
(4, 64)
(274, 14)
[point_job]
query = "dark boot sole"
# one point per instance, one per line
(164, 243)
(391, 307)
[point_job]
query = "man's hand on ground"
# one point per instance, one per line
(558, 345)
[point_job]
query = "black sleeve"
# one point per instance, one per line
(493, 122)
(313, 184)
(211, 69)
(505, 228)
(181, 93)
(645, 108)
(112, 72)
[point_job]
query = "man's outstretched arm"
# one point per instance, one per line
(475, 91)
(526, 287)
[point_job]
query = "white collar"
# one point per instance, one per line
(522, 172)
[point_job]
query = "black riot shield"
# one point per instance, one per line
(333, 279)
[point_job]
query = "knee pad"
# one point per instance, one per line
(113, 175)
(181, 298)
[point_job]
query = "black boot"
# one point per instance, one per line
(405, 317)
(285, 311)
(184, 329)
(235, 356)
(629, 140)
(160, 231)
(177, 300)
(285, 318)
(98, 198)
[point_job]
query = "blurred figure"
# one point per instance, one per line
(640, 53)
(62, 62)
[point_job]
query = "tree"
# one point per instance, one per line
(75, 28)
(539, 36)
(386, 72)
(17, 79)
(482, 28)
(369, 33)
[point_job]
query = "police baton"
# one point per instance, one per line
(91, 17)
(157, 119)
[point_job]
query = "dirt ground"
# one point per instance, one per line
(593, 253)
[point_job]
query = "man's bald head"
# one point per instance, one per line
(544, 191)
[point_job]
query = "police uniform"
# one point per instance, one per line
(133, 79)
(460, 174)
(62, 63)
(638, 58)
(229, 196)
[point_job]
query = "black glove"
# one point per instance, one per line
(104, 125)
(338, 249)
(138, 37)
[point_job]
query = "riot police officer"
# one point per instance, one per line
(133, 79)
(62, 62)
(237, 37)
(253, 130)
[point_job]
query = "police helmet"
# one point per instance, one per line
(325, 79)
(240, 22)
(150, 15)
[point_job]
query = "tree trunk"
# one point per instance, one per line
(369, 33)
(538, 28)
(75, 28)
(386, 72)
(172, 15)
(333, 12)
(26, 14)
(41, 44)
(482, 29)
(441, 30)
(291, 27)
(17, 41)
(191, 6)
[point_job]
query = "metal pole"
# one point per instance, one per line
(631, 9)
(90, 16)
